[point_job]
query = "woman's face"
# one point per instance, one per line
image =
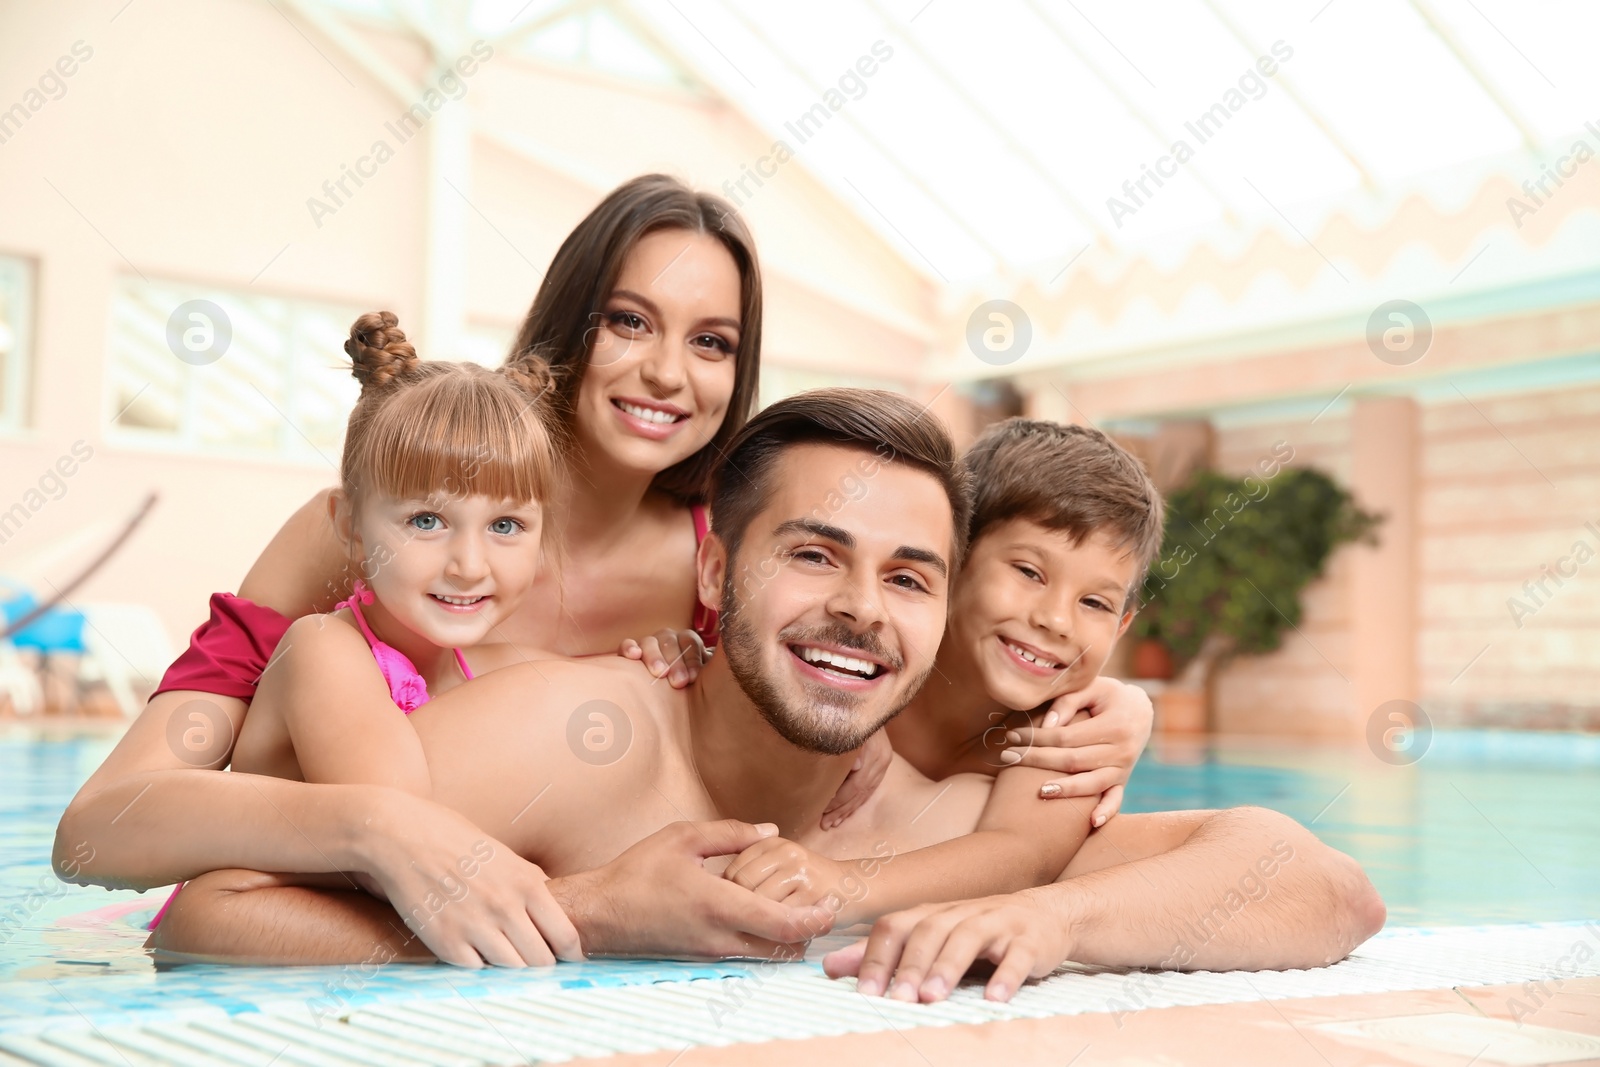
(662, 357)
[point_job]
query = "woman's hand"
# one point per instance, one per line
(870, 767)
(781, 870)
(1107, 724)
(676, 655)
(921, 953)
(470, 898)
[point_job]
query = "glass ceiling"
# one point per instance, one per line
(1004, 139)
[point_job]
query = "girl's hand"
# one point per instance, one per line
(920, 954)
(781, 870)
(858, 785)
(676, 655)
(1107, 724)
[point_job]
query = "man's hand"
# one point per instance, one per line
(470, 898)
(871, 765)
(781, 870)
(676, 655)
(920, 954)
(1107, 725)
(657, 899)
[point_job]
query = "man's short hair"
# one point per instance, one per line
(1069, 478)
(887, 428)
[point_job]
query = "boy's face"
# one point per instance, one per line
(1038, 614)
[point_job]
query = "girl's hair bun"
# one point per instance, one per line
(531, 374)
(378, 349)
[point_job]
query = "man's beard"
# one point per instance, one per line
(826, 725)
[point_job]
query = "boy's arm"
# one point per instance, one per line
(1093, 736)
(1020, 841)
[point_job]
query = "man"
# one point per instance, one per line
(840, 516)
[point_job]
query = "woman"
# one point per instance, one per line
(650, 321)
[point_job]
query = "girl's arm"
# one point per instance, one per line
(323, 712)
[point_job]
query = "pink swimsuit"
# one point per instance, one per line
(407, 688)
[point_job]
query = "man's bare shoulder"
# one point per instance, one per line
(910, 811)
(537, 693)
(567, 734)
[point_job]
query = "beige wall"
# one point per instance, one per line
(186, 148)
(1304, 687)
(1487, 523)
(1491, 522)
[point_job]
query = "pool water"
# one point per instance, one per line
(1486, 827)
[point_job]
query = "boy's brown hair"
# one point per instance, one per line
(1070, 478)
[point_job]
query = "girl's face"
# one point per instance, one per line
(662, 354)
(448, 570)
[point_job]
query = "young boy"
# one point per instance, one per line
(1065, 523)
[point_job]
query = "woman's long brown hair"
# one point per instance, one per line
(572, 297)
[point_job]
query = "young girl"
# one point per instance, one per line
(445, 469)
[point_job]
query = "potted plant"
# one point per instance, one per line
(1237, 554)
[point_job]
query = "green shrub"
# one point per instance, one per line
(1236, 555)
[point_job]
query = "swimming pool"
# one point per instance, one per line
(1487, 827)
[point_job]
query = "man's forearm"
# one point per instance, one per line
(1248, 889)
(163, 827)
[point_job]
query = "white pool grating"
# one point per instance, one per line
(781, 1002)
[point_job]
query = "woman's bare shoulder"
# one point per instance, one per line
(304, 567)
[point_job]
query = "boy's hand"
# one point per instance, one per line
(1107, 724)
(676, 655)
(788, 873)
(871, 765)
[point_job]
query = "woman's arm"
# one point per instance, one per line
(304, 569)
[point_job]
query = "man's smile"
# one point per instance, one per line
(848, 667)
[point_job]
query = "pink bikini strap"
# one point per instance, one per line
(702, 523)
(360, 594)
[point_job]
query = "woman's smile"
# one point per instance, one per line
(653, 419)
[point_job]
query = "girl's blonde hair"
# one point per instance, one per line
(426, 429)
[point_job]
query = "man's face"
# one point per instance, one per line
(1037, 613)
(835, 604)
